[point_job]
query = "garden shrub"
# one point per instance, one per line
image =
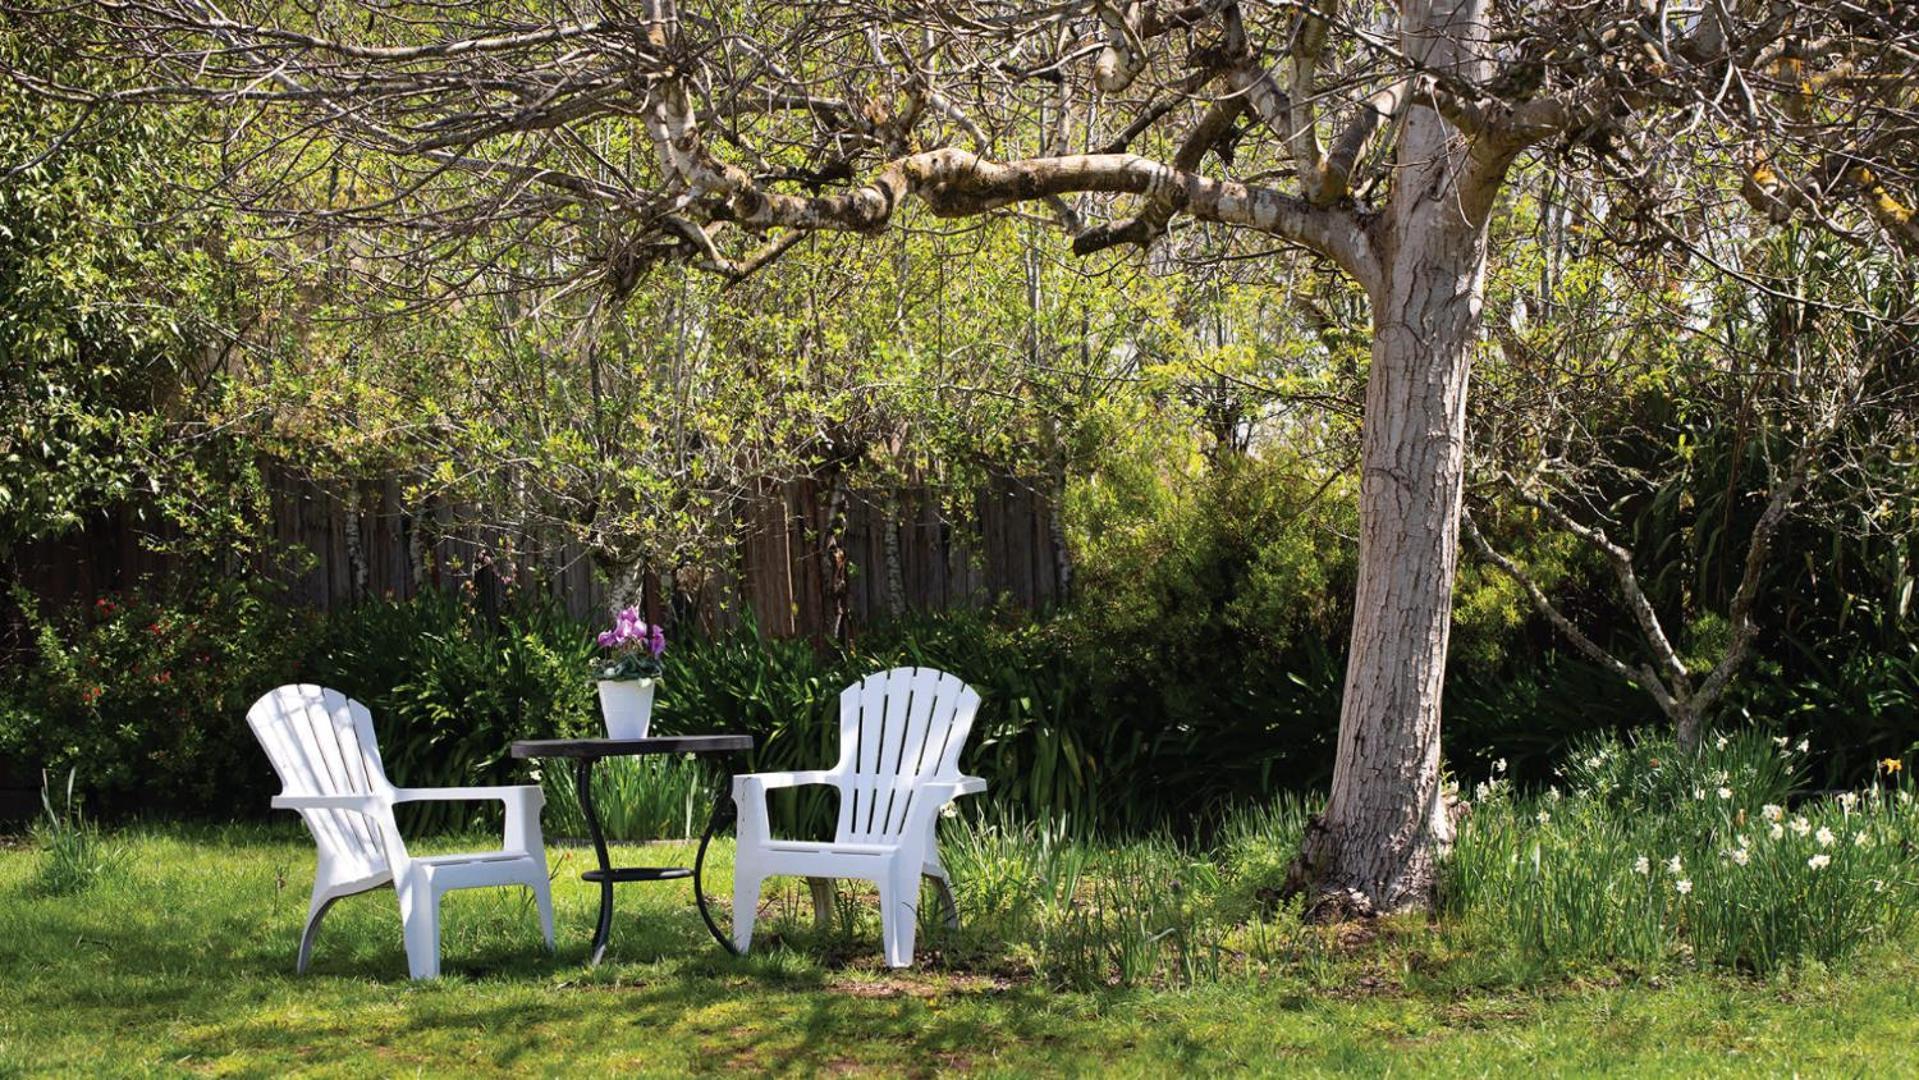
(144, 696)
(1209, 612)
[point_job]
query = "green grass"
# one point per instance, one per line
(179, 960)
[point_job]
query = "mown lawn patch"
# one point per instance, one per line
(180, 961)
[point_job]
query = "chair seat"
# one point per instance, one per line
(463, 860)
(808, 847)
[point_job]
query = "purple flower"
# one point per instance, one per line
(607, 639)
(655, 640)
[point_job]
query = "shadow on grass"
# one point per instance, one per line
(188, 956)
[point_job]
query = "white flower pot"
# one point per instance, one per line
(627, 705)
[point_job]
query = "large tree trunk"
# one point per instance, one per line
(1375, 847)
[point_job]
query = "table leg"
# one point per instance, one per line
(723, 810)
(583, 783)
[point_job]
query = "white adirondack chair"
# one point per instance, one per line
(321, 744)
(900, 737)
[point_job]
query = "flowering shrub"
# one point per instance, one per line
(144, 698)
(634, 648)
(1651, 858)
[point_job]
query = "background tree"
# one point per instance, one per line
(1640, 398)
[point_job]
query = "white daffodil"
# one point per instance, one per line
(1776, 831)
(1595, 762)
(1780, 741)
(1720, 742)
(1847, 800)
(1804, 745)
(1725, 793)
(1801, 826)
(1674, 866)
(1771, 812)
(1860, 839)
(1740, 856)
(1820, 861)
(1642, 865)
(1824, 837)
(1684, 886)
(1545, 818)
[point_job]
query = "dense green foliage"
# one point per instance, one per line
(146, 700)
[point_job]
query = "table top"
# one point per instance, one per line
(658, 744)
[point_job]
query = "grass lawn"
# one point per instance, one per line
(181, 961)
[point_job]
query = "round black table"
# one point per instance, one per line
(585, 754)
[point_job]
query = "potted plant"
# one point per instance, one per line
(627, 674)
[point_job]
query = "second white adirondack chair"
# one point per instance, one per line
(901, 732)
(321, 744)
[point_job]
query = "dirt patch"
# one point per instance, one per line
(1357, 934)
(925, 989)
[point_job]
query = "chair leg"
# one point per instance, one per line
(315, 913)
(746, 906)
(420, 916)
(543, 896)
(899, 914)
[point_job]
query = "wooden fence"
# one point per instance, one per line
(1003, 550)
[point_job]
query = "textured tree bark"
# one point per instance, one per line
(355, 547)
(890, 547)
(838, 617)
(1374, 849)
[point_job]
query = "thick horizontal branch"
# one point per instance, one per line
(955, 183)
(260, 35)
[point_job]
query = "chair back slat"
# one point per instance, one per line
(897, 729)
(320, 742)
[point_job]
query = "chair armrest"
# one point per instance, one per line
(453, 794)
(361, 804)
(922, 820)
(522, 801)
(954, 788)
(749, 799)
(769, 781)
